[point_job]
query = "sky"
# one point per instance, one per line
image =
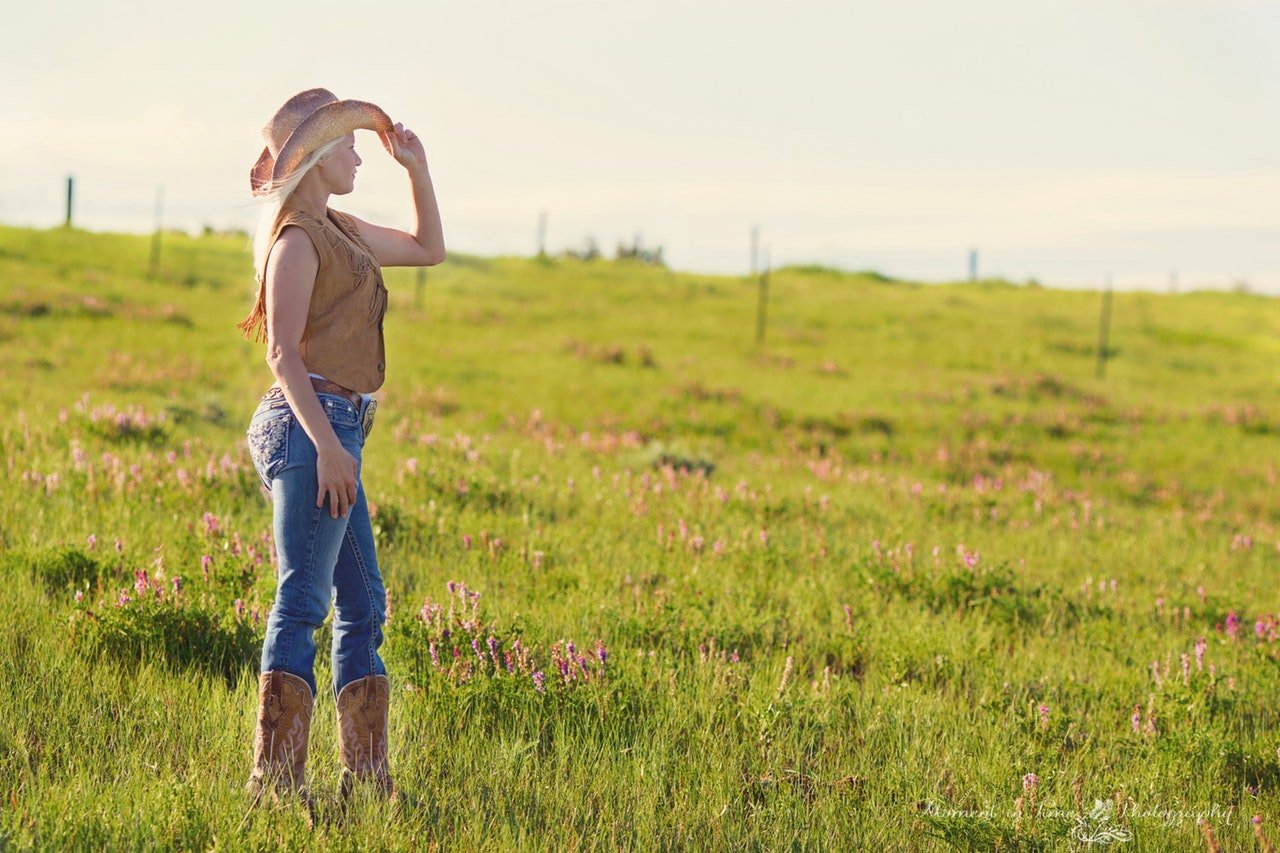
(1070, 141)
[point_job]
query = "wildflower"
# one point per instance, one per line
(786, 675)
(848, 617)
(1136, 719)
(1259, 628)
(1029, 783)
(539, 682)
(119, 546)
(239, 606)
(79, 595)
(140, 581)
(971, 559)
(601, 654)
(493, 650)
(93, 541)
(1186, 668)
(1201, 645)
(764, 537)
(1233, 624)
(205, 562)
(210, 523)
(475, 647)
(435, 658)
(177, 584)
(1044, 716)
(537, 559)
(123, 599)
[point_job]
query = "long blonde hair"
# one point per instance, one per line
(273, 203)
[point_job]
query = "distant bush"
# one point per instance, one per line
(636, 252)
(589, 251)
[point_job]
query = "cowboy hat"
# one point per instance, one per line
(306, 122)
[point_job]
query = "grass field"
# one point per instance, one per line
(906, 577)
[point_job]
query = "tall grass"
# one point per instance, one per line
(907, 577)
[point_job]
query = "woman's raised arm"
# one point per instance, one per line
(425, 246)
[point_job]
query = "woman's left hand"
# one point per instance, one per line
(405, 146)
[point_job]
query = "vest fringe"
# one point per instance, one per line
(257, 318)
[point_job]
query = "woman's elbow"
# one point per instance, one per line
(278, 355)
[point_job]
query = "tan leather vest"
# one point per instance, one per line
(343, 339)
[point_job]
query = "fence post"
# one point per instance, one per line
(1104, 329)
(973, 265)
(70, 185)
(755, 248)
(762, 305)
(155, 238)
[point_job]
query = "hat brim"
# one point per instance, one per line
(326, 124)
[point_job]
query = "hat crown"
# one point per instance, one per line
(293, 113)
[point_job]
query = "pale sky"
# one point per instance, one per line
(1066, 139)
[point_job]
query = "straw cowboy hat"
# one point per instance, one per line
(307, 121)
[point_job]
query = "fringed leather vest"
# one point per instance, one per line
(343, 339)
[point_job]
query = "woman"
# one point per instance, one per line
(320, 306)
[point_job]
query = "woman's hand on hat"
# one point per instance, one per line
(405, 146)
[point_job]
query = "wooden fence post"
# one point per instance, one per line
(1104, 329)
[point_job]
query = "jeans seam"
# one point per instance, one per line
(364, 579)
(310, 563)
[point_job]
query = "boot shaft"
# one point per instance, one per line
(362, 730)
(285, 704)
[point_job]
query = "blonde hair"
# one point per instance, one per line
(273, 203)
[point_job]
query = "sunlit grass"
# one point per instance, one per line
(853, 588)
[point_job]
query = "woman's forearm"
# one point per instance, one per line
(291, 374)
(427, 231)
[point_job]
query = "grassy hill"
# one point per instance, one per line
(853, 585)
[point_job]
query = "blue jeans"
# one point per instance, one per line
(318, 557)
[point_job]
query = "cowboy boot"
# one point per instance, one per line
(362, 734)
(280, 743)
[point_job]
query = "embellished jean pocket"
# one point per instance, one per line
(269, 445)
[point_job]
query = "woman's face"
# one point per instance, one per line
(339, 166)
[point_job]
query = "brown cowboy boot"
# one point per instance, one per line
(362, 733)
(280, 744)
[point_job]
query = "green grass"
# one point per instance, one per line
(836, 575)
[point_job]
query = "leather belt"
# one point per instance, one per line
(325, 386)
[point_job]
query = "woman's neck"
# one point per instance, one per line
(312, 196)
